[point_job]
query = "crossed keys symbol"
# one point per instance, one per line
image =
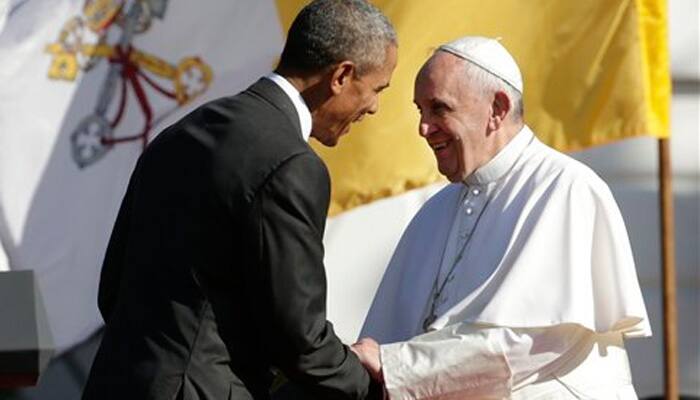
(81, 45)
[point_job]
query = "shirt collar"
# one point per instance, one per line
(503, 161)
(303, 112)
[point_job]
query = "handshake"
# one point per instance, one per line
(367, 350)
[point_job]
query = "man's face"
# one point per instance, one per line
(352, 97)
(454, 117)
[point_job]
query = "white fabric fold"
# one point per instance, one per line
(432, 366)
(480, 362)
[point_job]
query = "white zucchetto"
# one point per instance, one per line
(488, 54)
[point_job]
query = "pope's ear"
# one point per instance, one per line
(500, 107)
(341, 75)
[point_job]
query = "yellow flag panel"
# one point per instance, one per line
(594, 71)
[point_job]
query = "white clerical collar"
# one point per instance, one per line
(298, 101)
(503, 161)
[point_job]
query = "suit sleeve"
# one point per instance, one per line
(293, 205)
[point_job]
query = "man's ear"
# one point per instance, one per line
(500, 107)
(341, 76)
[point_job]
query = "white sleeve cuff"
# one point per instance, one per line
(445, 365)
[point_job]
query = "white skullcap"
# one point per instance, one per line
(488, 54)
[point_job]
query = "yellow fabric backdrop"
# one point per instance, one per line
(594, 71)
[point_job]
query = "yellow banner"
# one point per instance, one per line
(594, 71)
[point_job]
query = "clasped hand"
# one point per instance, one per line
(367, 350)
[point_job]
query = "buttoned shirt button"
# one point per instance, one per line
(469, 211)
(476, 191)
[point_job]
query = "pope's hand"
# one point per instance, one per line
(367, 350)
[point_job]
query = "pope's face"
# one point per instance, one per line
(354, 95)
(454, 116)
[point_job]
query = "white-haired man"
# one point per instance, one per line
(515, 281)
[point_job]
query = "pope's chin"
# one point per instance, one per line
(452, 175)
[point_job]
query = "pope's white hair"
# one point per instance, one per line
(488, 84)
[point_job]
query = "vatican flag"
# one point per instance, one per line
(86, 84)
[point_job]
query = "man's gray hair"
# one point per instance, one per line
(330, 31)
(488, 84)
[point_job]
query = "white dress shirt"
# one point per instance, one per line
(303, 112)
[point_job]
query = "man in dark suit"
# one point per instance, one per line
(214, 277)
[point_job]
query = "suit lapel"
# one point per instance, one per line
(273, 94)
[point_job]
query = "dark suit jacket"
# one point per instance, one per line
(214, 272)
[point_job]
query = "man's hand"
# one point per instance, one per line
(367, 350)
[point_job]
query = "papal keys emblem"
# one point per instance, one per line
(84, 41)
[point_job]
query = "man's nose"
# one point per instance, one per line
(425, 129)
(374, 106)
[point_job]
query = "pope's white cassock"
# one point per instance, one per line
(523, 279)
